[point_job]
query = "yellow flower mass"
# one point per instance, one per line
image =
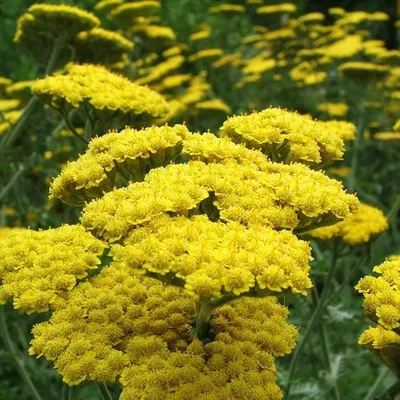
(213, 259)
(39, 268)
(123, 326)
(282, 196)
(102, 89)
(364, 224)
(286, 136)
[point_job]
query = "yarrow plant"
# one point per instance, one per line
(189, 211)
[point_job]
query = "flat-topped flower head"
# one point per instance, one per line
(101, 46)
(363, 225)
(334, 109)
(132, 152)
(213, 259)
(119, 325)
(361, 72)
(280, 196)
(126, 13)
(106, 6)
(106, 92)
(285, 8)
(43, 24)
(286, 136)
(227, 9)
(382, 295)
(39, 268)
(382, 305)
(159, 37)
(238, 362)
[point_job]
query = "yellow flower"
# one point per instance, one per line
(227, 8)
(387, 136)
(382, 305)
(126, 13)
(206, 54)
(42, 23)
(102, 89)
(107, 5)
(214, 258)
(284, 8)
(280, 196)
(214, 105)
(363, 71)
(9, 104)
(366, 223)
(200, 35)
(38, 269)
(131, 151)
(334, 109)
(126, 327)
(286, 136)
(100, 46)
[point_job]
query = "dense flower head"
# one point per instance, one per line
(285, 8)
(227, 8)
(208, 148)
(126, 13)
(134, 152)
(382, 305)
(237, 364)
(39, 268)
(121, 323)
(42, 23)
(88, 337)
(161, 69)
(280, 196)
(364, 224)
(387, 136)
(334, 109)
(9, 104)
(102, 89)
(101, 46)
(214, 258)
(360, 71)
(344, 129)
(107, 5)
(382, 295)
(286, 136)
(206, 54)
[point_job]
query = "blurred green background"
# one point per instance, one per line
(18, 65)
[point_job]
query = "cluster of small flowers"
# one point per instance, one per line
(382, 305)
(101, 89)
(38, 269)
(366, 223)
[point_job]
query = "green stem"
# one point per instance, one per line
(393, 211)
(376, 384)
(13, 133)
(391, 393)
(10, 347)
(314, 319)
(73, 130)
(105, 393)
(345, 281)
(11, 182)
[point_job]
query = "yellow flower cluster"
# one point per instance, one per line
(237, 364)
(119, 323)
(102, 89)
(214, 258)
(387, 136)
(125, 14)
(39, 268)
(161, 70)
(364, 224)
(345, 130)
(42, 24)
(282, 196)
(208, 148)
(363, 71)
(285, 8)
(382, 305)
(334, 109)
(134, 152)
(227, 8)
(206, 54)
(214, 105)
(286, 136)
(100, 46)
